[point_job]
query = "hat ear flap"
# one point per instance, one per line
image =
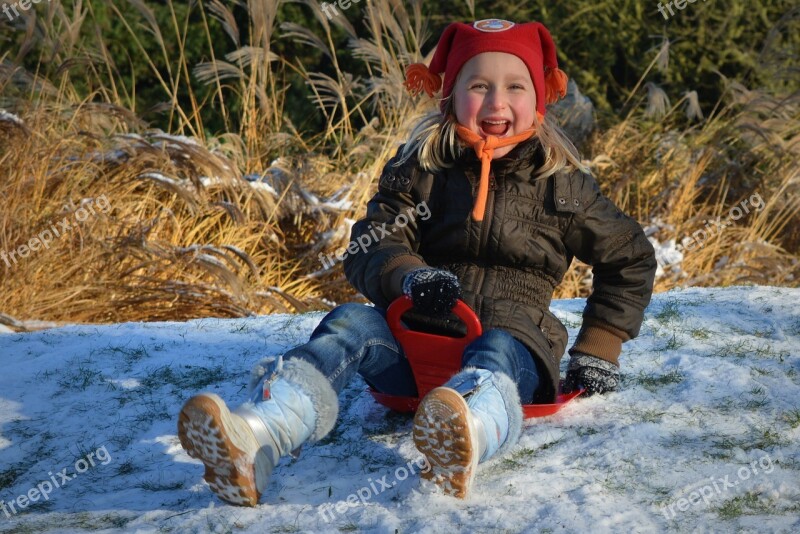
(421, 78)
(555, 80)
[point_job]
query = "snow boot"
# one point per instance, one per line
(476, 415)
(291, 403)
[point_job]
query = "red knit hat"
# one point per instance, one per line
(531, 42)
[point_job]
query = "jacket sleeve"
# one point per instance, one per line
(623, 267)
(383, 245)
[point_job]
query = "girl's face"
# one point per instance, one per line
(494, 95)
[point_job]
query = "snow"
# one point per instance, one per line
(265, 186)
(158, 177)
(338, 205)
(208, 181)
(668, 255)
(176, 140)
(702, 436)
(10, 117)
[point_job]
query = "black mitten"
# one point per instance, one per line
(433, 291)
(594, 374)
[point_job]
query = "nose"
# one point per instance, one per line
(495, 100)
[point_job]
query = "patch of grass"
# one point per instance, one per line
(193, 378)
(756, 404)
(794, 328)
(763, 439)
(122, 440)
(669, 312)
(159, 377)
(154, 409)
(80, 378)
(747, 504)
(701, 333)
(243, 328)
(738, 349)
(21, 428)
(126, 468)
(152, 485)
(673, 343)
(130, 355)
(514, 460)
(613, 484)
(569, 323)
(544, 447)
(767, 439)
(722, 453)
(652, 382)
(126, 396)
(9, 476)
(45, 375)
(134, 355)
(744, 348)
(651, 416)
(739, 331)
(117, 521)
(767, 332)
(766, 351)
(792, 418)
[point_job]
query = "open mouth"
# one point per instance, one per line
(496, 128)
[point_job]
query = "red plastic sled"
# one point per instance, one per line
(434, 359)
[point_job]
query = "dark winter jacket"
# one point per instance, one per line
(510, 263)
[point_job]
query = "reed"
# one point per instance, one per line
(231, 224)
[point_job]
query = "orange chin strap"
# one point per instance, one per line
(484, 149)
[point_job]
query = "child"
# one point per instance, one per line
(509, 205)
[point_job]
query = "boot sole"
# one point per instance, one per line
(442, 433)
(208, 432)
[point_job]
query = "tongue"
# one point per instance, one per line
(494, 129)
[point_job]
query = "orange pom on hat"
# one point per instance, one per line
(531, 42)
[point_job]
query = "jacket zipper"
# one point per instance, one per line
(487, 216)
(485, 226)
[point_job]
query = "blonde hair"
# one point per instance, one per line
(436, 144)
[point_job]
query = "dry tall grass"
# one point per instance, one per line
(209, 226)
(679, 181)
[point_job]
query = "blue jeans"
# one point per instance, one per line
(355, 338)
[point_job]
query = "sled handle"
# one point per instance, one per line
(462, 310)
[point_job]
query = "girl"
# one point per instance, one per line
(509, 206)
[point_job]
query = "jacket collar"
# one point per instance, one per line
(526, 154)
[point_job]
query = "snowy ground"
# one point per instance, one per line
(702, 436)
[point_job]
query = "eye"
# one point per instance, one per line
(479, 85)
(517, 86)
